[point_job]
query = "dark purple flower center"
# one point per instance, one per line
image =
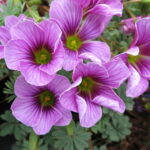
(87, 85)
(46, 98)
(42, 56)
(133, 59)
(73, 42)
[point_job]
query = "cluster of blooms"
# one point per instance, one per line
(66, 41)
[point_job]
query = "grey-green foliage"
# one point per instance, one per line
(11, 8)
(3, 70)
(12, 126)
(9, 86)
(113, 126)
(115, 38)
(102, 147)
(78, 140)
(121, 91)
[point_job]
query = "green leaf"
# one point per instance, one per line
(77, 140)
(128, 101)
(33, 141)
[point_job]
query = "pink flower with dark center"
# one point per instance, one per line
(137, 59)
(39, 107)
(35, 50)
(93, 88)
(78, 33)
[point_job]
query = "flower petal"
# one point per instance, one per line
(24, 89)
(70, 60)
(133, 51)
(26, 110)
(68, 97)
(66, 116)
(92, 28)
(100, 49)
(11, 21)
(4, 35)
(144, 67)
(52, 33)
(59, 84)
(33, 75)
(68, 14)
(16, 51)
(116, 6)
(89, 113)
(118, 73)
(48, 118)
(109, 99)
(30, 32)
(137, 85)
(142, 35)
(90, 69)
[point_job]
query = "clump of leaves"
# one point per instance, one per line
(73, 137)
(12, 7)
(113, 126)
(9, 89)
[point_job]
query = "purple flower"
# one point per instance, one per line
(35, 50)
(78, 33)
(128, 25)
(5, 36)
(137, 59)
(109, 7)
(39, 107)
(92, 88)
(3, 2)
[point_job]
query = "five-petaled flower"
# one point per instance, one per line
(35, 50)
(78, 33)
(39, 106)
(92, 88)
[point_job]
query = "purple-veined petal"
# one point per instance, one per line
(16, 51)
(66, 116)
(94, 25)
(68, 97)
(91, 57)
(52, 33)
(142, 35)
(11, 21)
(4, 35)
(34, 75)
(144, 49)
(30, 32)
(137, 85)
(89, 113)
(70, 60)
(109, 99)
(83, 3)
(144, 67)
(68, 15)
(118, 73)
(116, 6)
(48, 118)
(90, 69)
(26, 110)
(59, 84)
(100, 49)
(24, 89)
